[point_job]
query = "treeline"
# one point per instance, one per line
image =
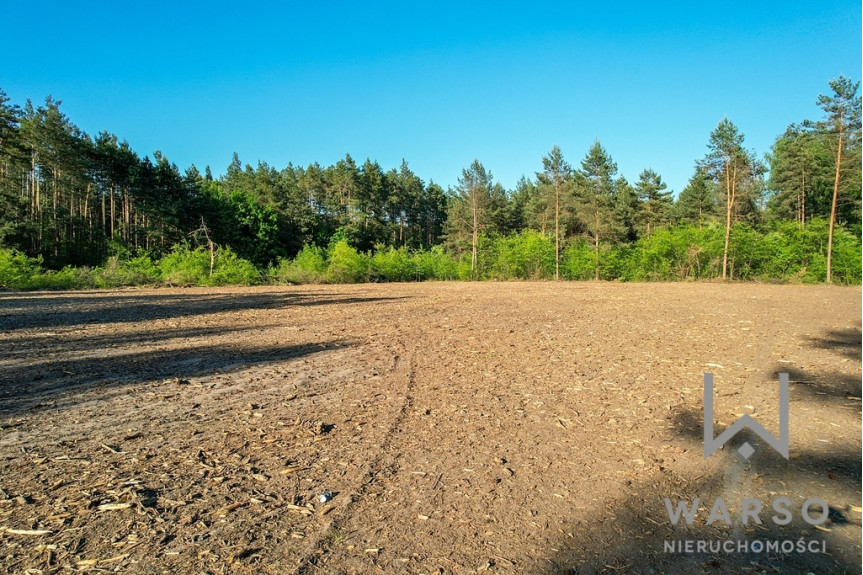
(777, 251)
(92, 203)
(76, 200)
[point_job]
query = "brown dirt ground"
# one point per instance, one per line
(462, 427)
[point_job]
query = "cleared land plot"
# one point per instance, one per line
(461, 428)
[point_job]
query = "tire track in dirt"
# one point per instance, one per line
(374, 467)
(385, 458)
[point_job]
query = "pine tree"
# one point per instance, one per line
(556, 180)
(627, 208)
(696, 203)
(596, 198)
(842, 110)
(656, 203)
(12, 169)
(734, 170)
(797, 174)
(471, 207)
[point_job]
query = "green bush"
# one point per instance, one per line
(463, 268)
(312, 260)
(346, 265)
(436, 264)
(184, 266)
(17, 271)
(126, 272)
(231, 269)
(676, 253)
(394, 265)
(310, 266)
(778, 251)
(653, 258)
(68, 278)
(614, 262)
(747, 252)
(526, 255)
(847, 257)
(577, 261)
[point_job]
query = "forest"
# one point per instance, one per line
(78, 211)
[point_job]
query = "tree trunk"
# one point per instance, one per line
(34, 188)
(475, 237)
(727, 222)
(730, 182)
(649, 217)
(833, 210)
(212, 254)
(803, 200)
(113, 212)
(54, 200)
(103, 215)
(36, 211)
(556, 233)
(127, 216)
(596, 247)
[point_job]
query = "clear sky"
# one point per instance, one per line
(435, 83)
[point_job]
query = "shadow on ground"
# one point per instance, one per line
(639, 520)
(27, 311)
(58, 384)
(847, 342)
(51, 354)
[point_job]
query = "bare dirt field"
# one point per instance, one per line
(458, 427)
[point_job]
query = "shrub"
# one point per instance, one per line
(68, 278)
(192, 267)
(668, 254)
(126, 272)
(312, 260)
(847, 257)
(395, 265)
(231, 269)
(614, 262)
(17, 271)
(526, 255)
(463, 268)
(310, 266)
(577, 261)
(677, 253)
(436, 264)
(346, 265)
(184, 266)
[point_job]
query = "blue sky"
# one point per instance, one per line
(435, 83)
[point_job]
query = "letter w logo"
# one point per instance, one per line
(746, 450)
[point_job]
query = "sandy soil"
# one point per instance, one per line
(460, 427)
